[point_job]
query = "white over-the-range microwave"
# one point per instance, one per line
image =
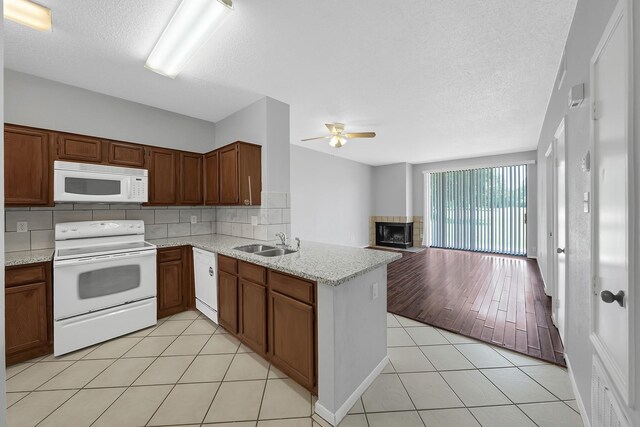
(85, 182)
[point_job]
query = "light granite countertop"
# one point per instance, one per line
(27, 257)
(324, 263)
(321, 262)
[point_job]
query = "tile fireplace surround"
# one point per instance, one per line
(417, 226)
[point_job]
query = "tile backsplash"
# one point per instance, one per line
(173, 221)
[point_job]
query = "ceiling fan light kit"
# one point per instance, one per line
(28, 13)
(193, 23)
(338, 138)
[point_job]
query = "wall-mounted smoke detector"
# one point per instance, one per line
(576, 96)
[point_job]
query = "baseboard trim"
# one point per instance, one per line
(574, 386)
(335, 418)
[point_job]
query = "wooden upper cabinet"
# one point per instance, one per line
(229, 190)
(124, 154)
(240, 174)
(190, 183)
(211, 179)
(27, 167)
(162, 164)
(78, 148)
(250, 173)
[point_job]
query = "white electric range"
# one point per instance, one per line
(104, 283)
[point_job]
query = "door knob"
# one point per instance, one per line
(609, 297)
(560, 250)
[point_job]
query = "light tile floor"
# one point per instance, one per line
(187, 371)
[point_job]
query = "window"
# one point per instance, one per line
(480, 210)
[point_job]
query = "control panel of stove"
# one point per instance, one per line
(86, 229)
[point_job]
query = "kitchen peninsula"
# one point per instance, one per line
(344, 289)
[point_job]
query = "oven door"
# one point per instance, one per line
(82, 186)
(84, 285)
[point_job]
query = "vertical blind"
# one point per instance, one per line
(480, 210)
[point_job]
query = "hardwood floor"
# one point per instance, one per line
(493, 298)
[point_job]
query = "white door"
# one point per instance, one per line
(611, 241)
(560, 256)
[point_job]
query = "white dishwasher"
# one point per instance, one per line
(206, 278)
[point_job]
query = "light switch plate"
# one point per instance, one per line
(374, 291)
(194, 219)
(22, 226)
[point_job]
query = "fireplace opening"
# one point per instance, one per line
(394, 235)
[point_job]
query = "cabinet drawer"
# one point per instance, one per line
(294, 287)
(230, 265)
(253, 273)
(172, 254)
(21, 275)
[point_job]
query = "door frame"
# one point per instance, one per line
(625, 386)
(549, 214)
(556, 298)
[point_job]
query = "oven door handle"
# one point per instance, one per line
(103, 258)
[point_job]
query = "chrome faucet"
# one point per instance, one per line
(283, 238)
(297, 243)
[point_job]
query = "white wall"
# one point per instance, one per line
(482, 162)
(37, 102)
(331, 198)
(392, 190)
(266, 123)
(590, 20)
(3, 401)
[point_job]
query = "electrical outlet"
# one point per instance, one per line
(22, 226)
(374, 291)
(194, 219)
(254, 220)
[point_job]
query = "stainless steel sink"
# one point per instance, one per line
(275, 252)
(251, 249)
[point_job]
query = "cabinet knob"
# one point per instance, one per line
(609, 297)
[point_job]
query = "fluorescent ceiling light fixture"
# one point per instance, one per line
(28, 13)
(191, 26)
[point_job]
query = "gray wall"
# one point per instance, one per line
(480, 162)
(37, 102)
(331, 198)
(392, 190)
(3, 402)
(266, 123)
(590, 20)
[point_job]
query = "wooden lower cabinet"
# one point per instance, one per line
(28, 312)
(228, 301)
(253, 316)
(292, 338)
(174, 280)
(273, 313)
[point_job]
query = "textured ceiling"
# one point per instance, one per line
(436, 79)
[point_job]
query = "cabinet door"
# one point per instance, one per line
(123, 154)
(211, 179)
(228, 301)
(27, 167)
(26, 317)
(292, 338)
(250, 173)
(229, 190)
(79, 148)
(253, 315)
(171, 295)
(162, 176)
(190, 179)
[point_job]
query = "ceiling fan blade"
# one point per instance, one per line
(335, 128)
(318, 137)
(360, 135)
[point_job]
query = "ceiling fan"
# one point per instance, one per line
(338, 137)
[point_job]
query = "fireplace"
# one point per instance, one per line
(394, 234)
